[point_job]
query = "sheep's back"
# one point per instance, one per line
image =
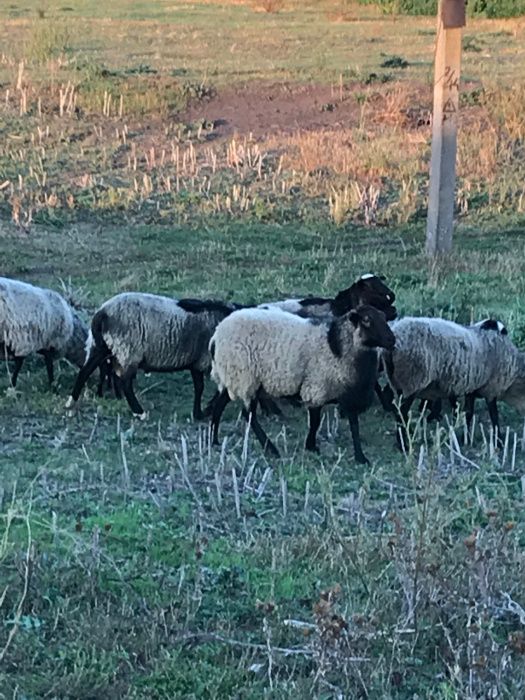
(261, 348)
(154, 332)
(32, 318)
(435, 357)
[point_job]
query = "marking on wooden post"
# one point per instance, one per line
(440, 220)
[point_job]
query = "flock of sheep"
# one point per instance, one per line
(312, 351)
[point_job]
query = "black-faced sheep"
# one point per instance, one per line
(153, 333)
(38, 320)
(369, 290)
(435, 359)
(281, 354)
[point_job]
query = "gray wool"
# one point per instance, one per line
(153, 332)
(75, 350)
(33, 319)
(283, 354)
(435, 358)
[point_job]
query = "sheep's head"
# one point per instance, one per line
(371, 327)
(369, 290)
(75, 351)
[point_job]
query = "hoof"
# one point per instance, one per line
(271, 451)
(141, 416)
(361, 459)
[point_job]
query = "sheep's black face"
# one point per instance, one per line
(373, 327)
(370, 290)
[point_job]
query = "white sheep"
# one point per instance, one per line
(154, 333)
(38, 320)
(434, 358)
(369, 290)
(280, 354)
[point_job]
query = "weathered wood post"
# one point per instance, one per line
(440, 218)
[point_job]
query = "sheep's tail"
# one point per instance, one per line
(97, 352)
(99, 325)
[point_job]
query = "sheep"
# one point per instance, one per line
(434, 358)
(368, 290)
(155, 333)
(256, 350)
(38, 320)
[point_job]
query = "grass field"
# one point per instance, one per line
(207, 149)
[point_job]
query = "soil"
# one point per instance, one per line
(261, 109)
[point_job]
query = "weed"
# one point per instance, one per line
(394, 62)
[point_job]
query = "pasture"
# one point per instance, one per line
(208, 149)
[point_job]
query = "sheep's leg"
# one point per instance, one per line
(401, 423)
(359, 455)
(211, 403)
(269, 406)
(267, 444)
(217, 409)
(105, 372)
(48, 359)
(19, 361)
(117, 384)
(494, 418)
(435, 410)
(385, 396)
(470, 400)
(198, 388)
(95, 359)
(314, 421)
(127, 387)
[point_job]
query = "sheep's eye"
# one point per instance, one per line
(366, 321)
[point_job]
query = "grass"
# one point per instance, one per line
(135, 559)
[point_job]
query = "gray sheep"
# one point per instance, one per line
(38, 320)
(154, 333)
(434, 358)
(281, 354)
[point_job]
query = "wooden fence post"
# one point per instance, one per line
(440, 219)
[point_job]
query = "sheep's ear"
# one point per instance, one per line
(355, 317)
(334, 339)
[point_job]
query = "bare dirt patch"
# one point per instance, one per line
(266, 109)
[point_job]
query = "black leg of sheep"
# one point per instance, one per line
(218, 404)
(359, 455)
(314, 421)
(19, 361)
(127, 387)
(198, 388)
(494, 418)
(48, 359)
(251, 417)
(95, 360)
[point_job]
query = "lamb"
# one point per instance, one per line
(38, 320)
(156, 334)
(434, 358)
(368, 290)
(256, 350)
